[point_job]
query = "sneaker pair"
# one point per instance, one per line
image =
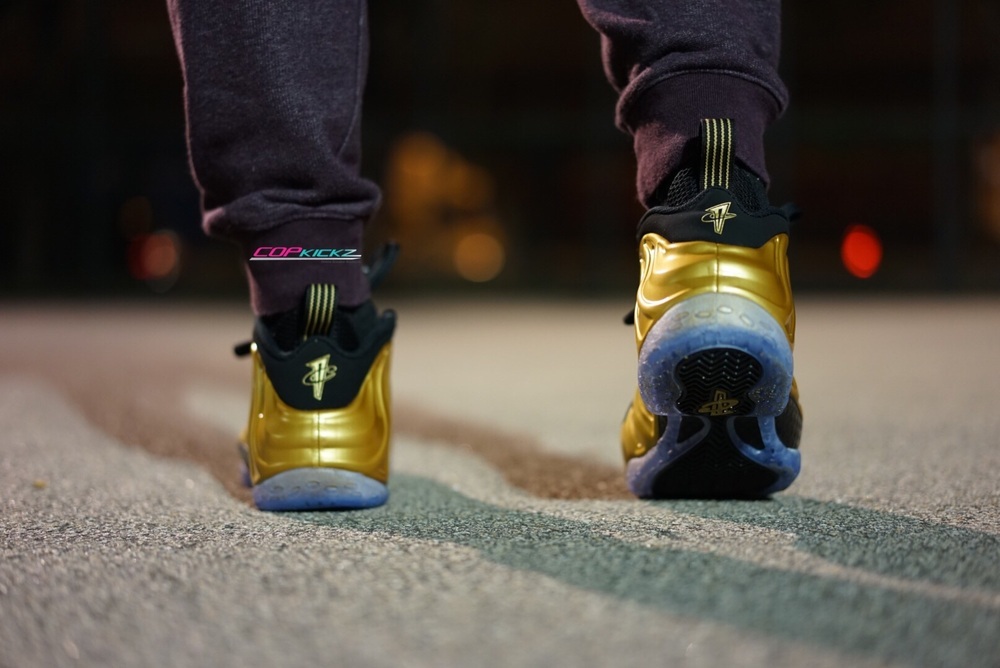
(716, 412)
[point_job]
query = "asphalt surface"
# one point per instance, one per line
(509, 539)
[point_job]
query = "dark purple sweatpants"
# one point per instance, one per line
(273, 94)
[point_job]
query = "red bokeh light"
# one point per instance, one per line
(861, 251)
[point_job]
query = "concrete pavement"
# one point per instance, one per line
(508, 539)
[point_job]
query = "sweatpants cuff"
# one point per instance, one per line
(666, 117)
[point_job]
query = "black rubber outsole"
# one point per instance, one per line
(714, 400)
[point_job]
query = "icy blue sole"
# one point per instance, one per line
(719, 369)
(316, 488)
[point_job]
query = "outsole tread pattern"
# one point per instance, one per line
(707, 373)
(720, 387)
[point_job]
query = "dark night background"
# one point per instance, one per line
(503, 108)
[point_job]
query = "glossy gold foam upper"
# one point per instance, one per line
(639, 431)
(354, 438)
(673, 272)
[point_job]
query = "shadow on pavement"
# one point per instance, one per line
(884, 543)
(881, 622)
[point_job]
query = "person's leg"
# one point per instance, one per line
(675, 62)
(716, 411)
(273, 99)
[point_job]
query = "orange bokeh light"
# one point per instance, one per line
(479, 257)
(861, 251)
(154, 256)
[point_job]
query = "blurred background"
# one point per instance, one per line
(490, 127)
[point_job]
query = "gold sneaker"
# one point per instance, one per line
(716, 413)
(318, 433)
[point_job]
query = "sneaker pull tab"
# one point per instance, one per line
(716, 152)
(320, 302)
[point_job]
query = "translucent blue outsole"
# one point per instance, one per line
(705, 323)
(314, 488)
(319, 489)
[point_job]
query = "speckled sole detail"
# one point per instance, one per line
(319, 489)
(315, 488)
(718, 370)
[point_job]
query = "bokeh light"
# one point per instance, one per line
(479, 257)
(442, 210)
(155, 258)
(861, 251)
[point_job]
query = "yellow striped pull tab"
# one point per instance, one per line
(321, 300)
(716, 152)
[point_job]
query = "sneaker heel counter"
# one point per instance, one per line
(671, 273)
(355, 437)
